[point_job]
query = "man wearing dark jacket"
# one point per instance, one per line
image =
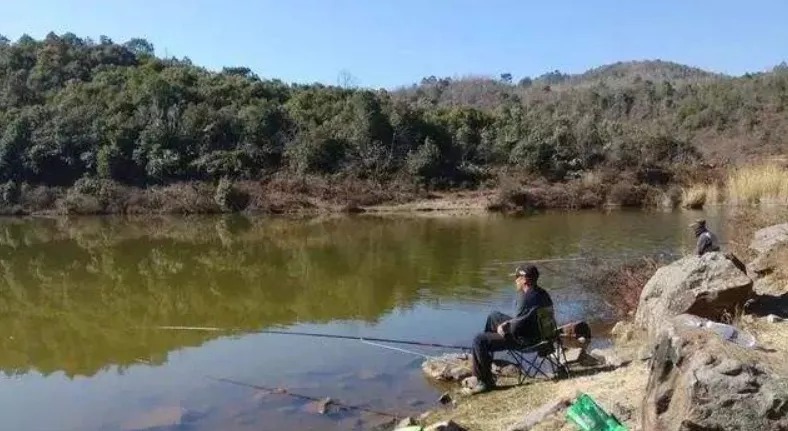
(501, 331)
(707, 241)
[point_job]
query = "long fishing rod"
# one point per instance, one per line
(318, 335)
(283, 391)
(365, 339)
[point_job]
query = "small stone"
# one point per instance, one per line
(320, 407)
(470, 382)
(407, 422)
(730, 367)
(622, 412)
(424, 416)
(608, 357)
(773, 318)
(445, 398)
(413, 402)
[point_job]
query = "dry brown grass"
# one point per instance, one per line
(693, 197)
(697, 196)
(758, 184)
(497, 410)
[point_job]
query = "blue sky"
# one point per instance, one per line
(386, 43)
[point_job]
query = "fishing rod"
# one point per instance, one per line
(368, 340)
(283, 391)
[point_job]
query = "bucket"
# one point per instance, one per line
(587, 415)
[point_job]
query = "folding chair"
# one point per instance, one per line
(530, 355)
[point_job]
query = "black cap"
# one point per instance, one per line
(699, 223)
(528, 271)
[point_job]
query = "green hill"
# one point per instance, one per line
(73, 108)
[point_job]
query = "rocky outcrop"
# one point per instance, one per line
(708, 286)
(771, 245)
(767, 238)
(456, 367)
(448, 367)
(700, 382)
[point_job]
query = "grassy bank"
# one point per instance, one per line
(756, 184)
(278, 195)
(507, 191)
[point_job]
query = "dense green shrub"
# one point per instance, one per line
(229, 198)
(73, 108)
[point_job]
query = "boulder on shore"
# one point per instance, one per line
(700, 382)
(767, 238)
(771, 245)
(707, 286)
(448, 367)
(456, 367)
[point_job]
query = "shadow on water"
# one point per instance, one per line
(80, 297)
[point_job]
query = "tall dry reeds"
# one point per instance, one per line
(758, 184)
(696, 196)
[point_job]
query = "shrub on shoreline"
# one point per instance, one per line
(620, 283)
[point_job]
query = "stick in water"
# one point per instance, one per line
(282, 391)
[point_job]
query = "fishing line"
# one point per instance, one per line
(397, 349)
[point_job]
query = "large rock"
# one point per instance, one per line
(708, 286)
(767, 238)
(700, 382)
(456, 367)
(448, 367)
(772, 247)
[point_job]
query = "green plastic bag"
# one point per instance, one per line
(586, 414)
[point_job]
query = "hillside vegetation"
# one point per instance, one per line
(77, 111)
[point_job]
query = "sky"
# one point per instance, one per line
(389, 43)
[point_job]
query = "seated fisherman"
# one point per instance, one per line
(707, 241)
(502, 331)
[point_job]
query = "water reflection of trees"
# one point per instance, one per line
(73, 295)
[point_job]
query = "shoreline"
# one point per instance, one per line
(622, 390)
(434, 204)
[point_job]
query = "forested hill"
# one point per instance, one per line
(73, 108)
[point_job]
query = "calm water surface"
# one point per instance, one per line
(80, 300)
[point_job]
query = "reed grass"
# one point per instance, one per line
(694, 196)
(758, 184)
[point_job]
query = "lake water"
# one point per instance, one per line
(81, 300)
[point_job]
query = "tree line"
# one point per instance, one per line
(73, 108)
